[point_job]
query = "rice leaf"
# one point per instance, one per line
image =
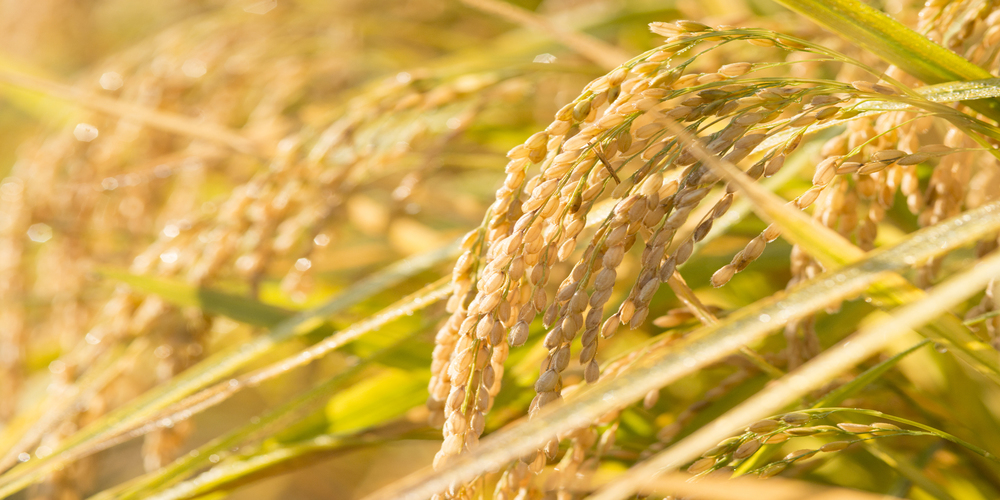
(962, 91)
(837, 395)
(235, 307)
(377, 399)
(981, 318)
(226, 477)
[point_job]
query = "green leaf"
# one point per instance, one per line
(723, 488)
(225, 477)
(235, 307)
(377, 399)
(926, 428)
(836, 396)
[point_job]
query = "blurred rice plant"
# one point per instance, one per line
(226, 230)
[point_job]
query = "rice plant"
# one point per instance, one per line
(491, 249)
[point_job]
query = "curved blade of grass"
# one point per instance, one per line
(704, 346)
(947, 329)
(890, 40)
(235, 307)
(837, 395)
(227, 477)
(834, 397)
(238, 308)
(981, 318)
(214, 368)
(31, 426)
(812, 375)
(942, 93)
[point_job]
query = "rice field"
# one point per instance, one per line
(511, 249)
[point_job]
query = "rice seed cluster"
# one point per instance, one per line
(612, 140)
(876, 158)
(730, 454)
(958, 185)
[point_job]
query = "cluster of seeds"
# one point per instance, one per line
(873, 160)
(614, 138)
(729, 454)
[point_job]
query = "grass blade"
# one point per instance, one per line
(226, 477)
(834, 397)
(222, 391)
(277, 418)
(235, 307)
(962, 91)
